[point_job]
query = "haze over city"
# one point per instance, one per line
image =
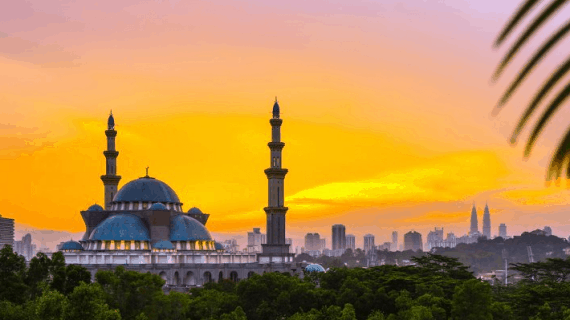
(387, 106)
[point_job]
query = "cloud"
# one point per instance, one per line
(49, 55)
(15, 141)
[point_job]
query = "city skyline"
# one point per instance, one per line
(354, 145)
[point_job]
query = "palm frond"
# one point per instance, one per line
(529, 31)
(561, 158)
(552, 81)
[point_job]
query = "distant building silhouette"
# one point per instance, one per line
(254, 241)
(369, 243)
(474, 225)
(487, 222)
(351, 242)
(503, 231)
(394, 241)
(6, 232)
(312, 242)
(25, 247)
(338, 237)
(435, 238)
(413, 241)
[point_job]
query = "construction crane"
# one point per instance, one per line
(530, 256)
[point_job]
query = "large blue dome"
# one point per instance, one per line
(146, 189)
(163, 245)
(314, 268)
(123, 226)
(185, 228)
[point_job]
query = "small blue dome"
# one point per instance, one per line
(218, 246)
(195, 210)
(95, 207)
(146, 189)
(123, 226)
(314, 268)
(163, 245)
(185, 228)
(158, 206)
(71, 245)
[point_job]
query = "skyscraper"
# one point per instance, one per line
(413, 241)
(255, 240)
(487, 222)
(312, 242)
(338, 237)
(474, 226)
(351, 242)
(276, 248)
(394, 241)
(6, 232)
(368, 243)
(503, 231)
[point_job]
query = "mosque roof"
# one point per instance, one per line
(146, 189)
(95, 207)
(163, 245)
(111, 122)
(124, 226)
(314, 268)
(158, 206)
(71, 245)
(276, 109)
(185, 228)
(218, 246)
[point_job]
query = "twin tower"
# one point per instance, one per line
(276, 250)
(486, 222)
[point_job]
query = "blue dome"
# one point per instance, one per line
(185, 228)
(95, 207)
(123, 226)
(218, 246)
(314, 268)
(163, 245)
(195, 210)
(71, 245)
(158, 206)
(146, 189)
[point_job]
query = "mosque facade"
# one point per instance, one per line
(143, 227)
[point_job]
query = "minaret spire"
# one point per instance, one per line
(276, 250)
(110, 179)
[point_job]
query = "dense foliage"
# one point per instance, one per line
(436, 288)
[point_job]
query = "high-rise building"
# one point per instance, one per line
(323, 244)
(338, 237)
(435, 238)
(394, 241)
(351, 242)
(276, 249)
(255, 240)
(6, 232)
(289, 241)
(369, 243)
(487, 222)
(547, 231)
(474, 225)
(312, 242)
(503, 231)
(413, 241)
(25, 247)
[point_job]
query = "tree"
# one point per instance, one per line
(87, 301)
(12, 275)
(57, 272)
(74, 275)
(37, 273)
(51, 305)
(472, 301)
(237, 314)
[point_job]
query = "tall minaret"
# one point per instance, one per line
(276, 210)
(487, 222)
(110, 179)
(474, 225)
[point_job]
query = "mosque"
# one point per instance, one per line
(143, 227)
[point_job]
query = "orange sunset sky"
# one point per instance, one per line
(386, 106)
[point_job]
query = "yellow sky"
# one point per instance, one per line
(386, 113)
